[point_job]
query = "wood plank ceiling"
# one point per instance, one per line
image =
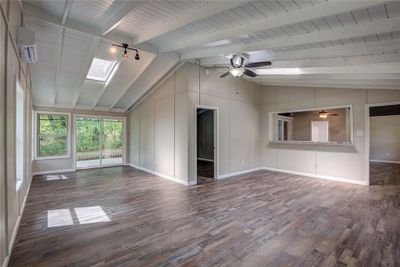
(347, 44)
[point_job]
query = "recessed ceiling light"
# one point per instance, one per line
(100, 69)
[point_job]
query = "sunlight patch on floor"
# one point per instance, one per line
(76, 216)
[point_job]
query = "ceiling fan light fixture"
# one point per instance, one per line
(236, 72)
(323, 114)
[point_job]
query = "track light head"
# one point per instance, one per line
(126, 47)
(125, 54)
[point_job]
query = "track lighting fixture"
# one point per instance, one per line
(126, 47)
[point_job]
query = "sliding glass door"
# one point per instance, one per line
(99, 141)
(112, 149)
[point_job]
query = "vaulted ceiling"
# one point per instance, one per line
(349, 44)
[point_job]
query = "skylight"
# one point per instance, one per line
(100, 69)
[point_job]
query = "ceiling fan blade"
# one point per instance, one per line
(258, 64)
(225, 74)
(250, 73)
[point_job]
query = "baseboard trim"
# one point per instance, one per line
(232, 174)
(385, 161)
(16, 227)
(53, 171)
(325, 177)
(171, 178)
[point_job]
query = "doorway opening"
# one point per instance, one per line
(206, 139)
(99, 142)
(384, 144)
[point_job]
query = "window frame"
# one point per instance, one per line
(36, 136)
(20, 182)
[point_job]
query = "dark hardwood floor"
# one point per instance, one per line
(205, 172)
(125, 217)
(384, 173)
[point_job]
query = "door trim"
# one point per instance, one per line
(368, 132)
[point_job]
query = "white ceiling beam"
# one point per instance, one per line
(324, 9)
(209, 9)
(113, 22)
(360, 49)
(338, 61)
(309, 77)
(85, 69)
(378, 57)
(59, 59)
(132, 82)
(351, 31)
(388, 68)
(68, 6)
(34, 13)
(347, 84)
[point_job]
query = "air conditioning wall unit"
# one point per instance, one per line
(26, 41)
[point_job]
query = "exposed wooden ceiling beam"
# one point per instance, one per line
(209, 9)
(347, 84)
(85, 69)
(59, 59)
(349, 76)
(131, 83)
(350, 50)
(35, 13)
(357, 30)
(378, 68)
(324, 9)
(113, 22)
(68, 6)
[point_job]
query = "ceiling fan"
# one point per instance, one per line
(323, 114)
(239, 68)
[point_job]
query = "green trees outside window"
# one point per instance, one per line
(52, 135)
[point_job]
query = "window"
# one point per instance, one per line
(100, 69)
(19, 135)
(52, 131)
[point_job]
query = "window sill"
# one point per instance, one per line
(53, 157)
(311, 143)
(18, 185)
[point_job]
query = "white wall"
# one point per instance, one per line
(11, 68)
(60, 164)
(167, 117)
(385, 138)
(239, 119)
(158, 129)
(322, 160)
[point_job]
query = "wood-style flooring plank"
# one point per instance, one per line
(122, 216)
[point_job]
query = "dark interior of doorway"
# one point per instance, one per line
(384, 165)
(205, 146)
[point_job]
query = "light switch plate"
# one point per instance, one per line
(360, 133)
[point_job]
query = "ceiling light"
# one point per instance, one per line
(236, 72)
(323, 114)
(113, 50)
(126, 47)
